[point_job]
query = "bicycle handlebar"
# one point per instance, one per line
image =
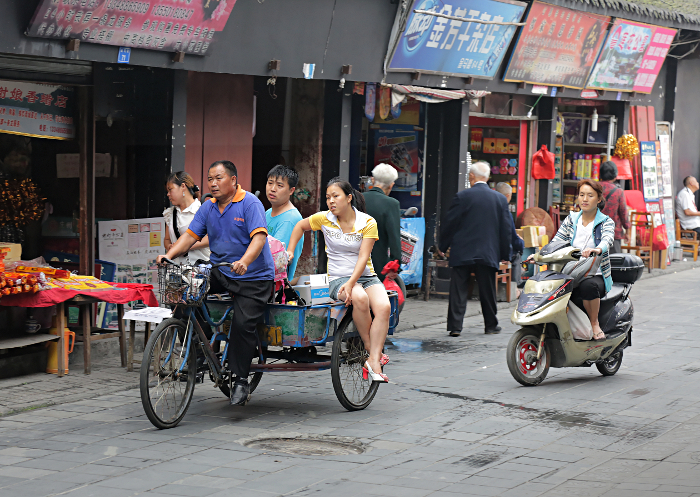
(165, 260)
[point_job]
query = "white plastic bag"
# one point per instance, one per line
(579, 323)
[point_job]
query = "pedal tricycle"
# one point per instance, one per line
(288, 340)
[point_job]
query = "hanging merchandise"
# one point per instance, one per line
(370, 100)
(384, 102)
(358, 88)
(543, 164)
(626, 147)
(396, 106)
(20, 203)
(624, 170)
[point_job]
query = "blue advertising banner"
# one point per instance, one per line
(412, 239)
(438, 45)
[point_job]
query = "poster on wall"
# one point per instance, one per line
(649, 174)
(666, 173)
(133, 245)
(631, 57)
(37, 110)
(438, 45)
(667, 204)
(398, 145)
(413, 232)
(168, 25)
(557, 46)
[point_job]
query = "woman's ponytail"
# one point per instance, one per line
(358, 201)
(181, 177)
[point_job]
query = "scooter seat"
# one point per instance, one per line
(614, 294)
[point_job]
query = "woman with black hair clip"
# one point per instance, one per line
(350, 234)
(184, 196)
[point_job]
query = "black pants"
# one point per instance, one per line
(589, 289)
(459, 288)
(249, 301)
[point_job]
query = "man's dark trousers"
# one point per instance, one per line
(249, 302)
(459, 288)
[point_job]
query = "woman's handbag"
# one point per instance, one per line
(583, 268)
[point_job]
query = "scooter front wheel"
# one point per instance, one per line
(522, 357)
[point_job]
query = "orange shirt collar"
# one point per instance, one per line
(240, 195)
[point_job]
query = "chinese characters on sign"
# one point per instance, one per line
(557, 46)
(169, 25)
(33, 109)
(433, 44)
(631, 57)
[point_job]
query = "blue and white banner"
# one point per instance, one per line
(433, 44)
(412, 273)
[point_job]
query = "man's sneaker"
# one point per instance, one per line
(493, 331)
(240, 393)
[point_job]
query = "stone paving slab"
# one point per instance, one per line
(452, 422)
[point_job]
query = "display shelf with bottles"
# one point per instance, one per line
(583, 143)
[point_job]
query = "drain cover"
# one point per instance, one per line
(308, 446)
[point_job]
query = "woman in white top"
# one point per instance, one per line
(350, 234)
(184, 196)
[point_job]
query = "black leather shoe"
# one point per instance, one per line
(240, 393)
(455, 333)
(493, 331)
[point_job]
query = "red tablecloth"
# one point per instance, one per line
(121, 293)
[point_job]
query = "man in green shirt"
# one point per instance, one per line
(386, 211)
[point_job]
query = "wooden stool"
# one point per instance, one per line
(689, 240)
(433, 264)
(132, 336)
(504, 275)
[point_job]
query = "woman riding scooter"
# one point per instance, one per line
(593, 233)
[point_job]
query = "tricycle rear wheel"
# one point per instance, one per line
(349, 355)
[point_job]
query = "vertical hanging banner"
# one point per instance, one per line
(168, 25)
(439, 45)
(631, 57)
(33, 109)
(556, 47)
(649, 174)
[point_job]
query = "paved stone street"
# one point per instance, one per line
(452, 422)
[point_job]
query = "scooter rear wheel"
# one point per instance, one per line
(522, 357)
(611, 365)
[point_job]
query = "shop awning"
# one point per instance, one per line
(431, 95)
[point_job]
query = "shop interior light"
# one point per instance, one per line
(594, 121)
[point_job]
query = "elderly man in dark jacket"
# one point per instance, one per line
(478, 230)
(386, 211)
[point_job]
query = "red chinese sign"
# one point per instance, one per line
(557, 46)
(631, 57)
(169, 25)
(32, 109)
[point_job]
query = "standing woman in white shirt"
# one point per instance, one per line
(350, 234)
(184, 196)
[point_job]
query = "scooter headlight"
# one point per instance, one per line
(541, 287)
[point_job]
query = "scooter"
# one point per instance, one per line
(546, 339)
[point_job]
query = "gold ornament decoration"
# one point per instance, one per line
(20, 202)
(626, 147)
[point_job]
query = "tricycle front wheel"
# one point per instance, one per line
(347, 359)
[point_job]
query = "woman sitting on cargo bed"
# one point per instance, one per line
(593, 232)
(350, 235)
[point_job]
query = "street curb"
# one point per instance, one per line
(655, 273)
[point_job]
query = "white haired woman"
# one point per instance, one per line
(386, 211)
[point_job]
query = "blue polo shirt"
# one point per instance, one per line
(230, 234)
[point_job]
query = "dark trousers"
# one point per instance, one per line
(249, 301)
(459, 289)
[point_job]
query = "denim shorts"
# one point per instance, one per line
(365, 281)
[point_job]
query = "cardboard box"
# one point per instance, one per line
(544, 240)
(15, 253)
(541, 230)
(313, 288)
(512, 148)
(530, 236)
(502, 145)
(489, 146)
